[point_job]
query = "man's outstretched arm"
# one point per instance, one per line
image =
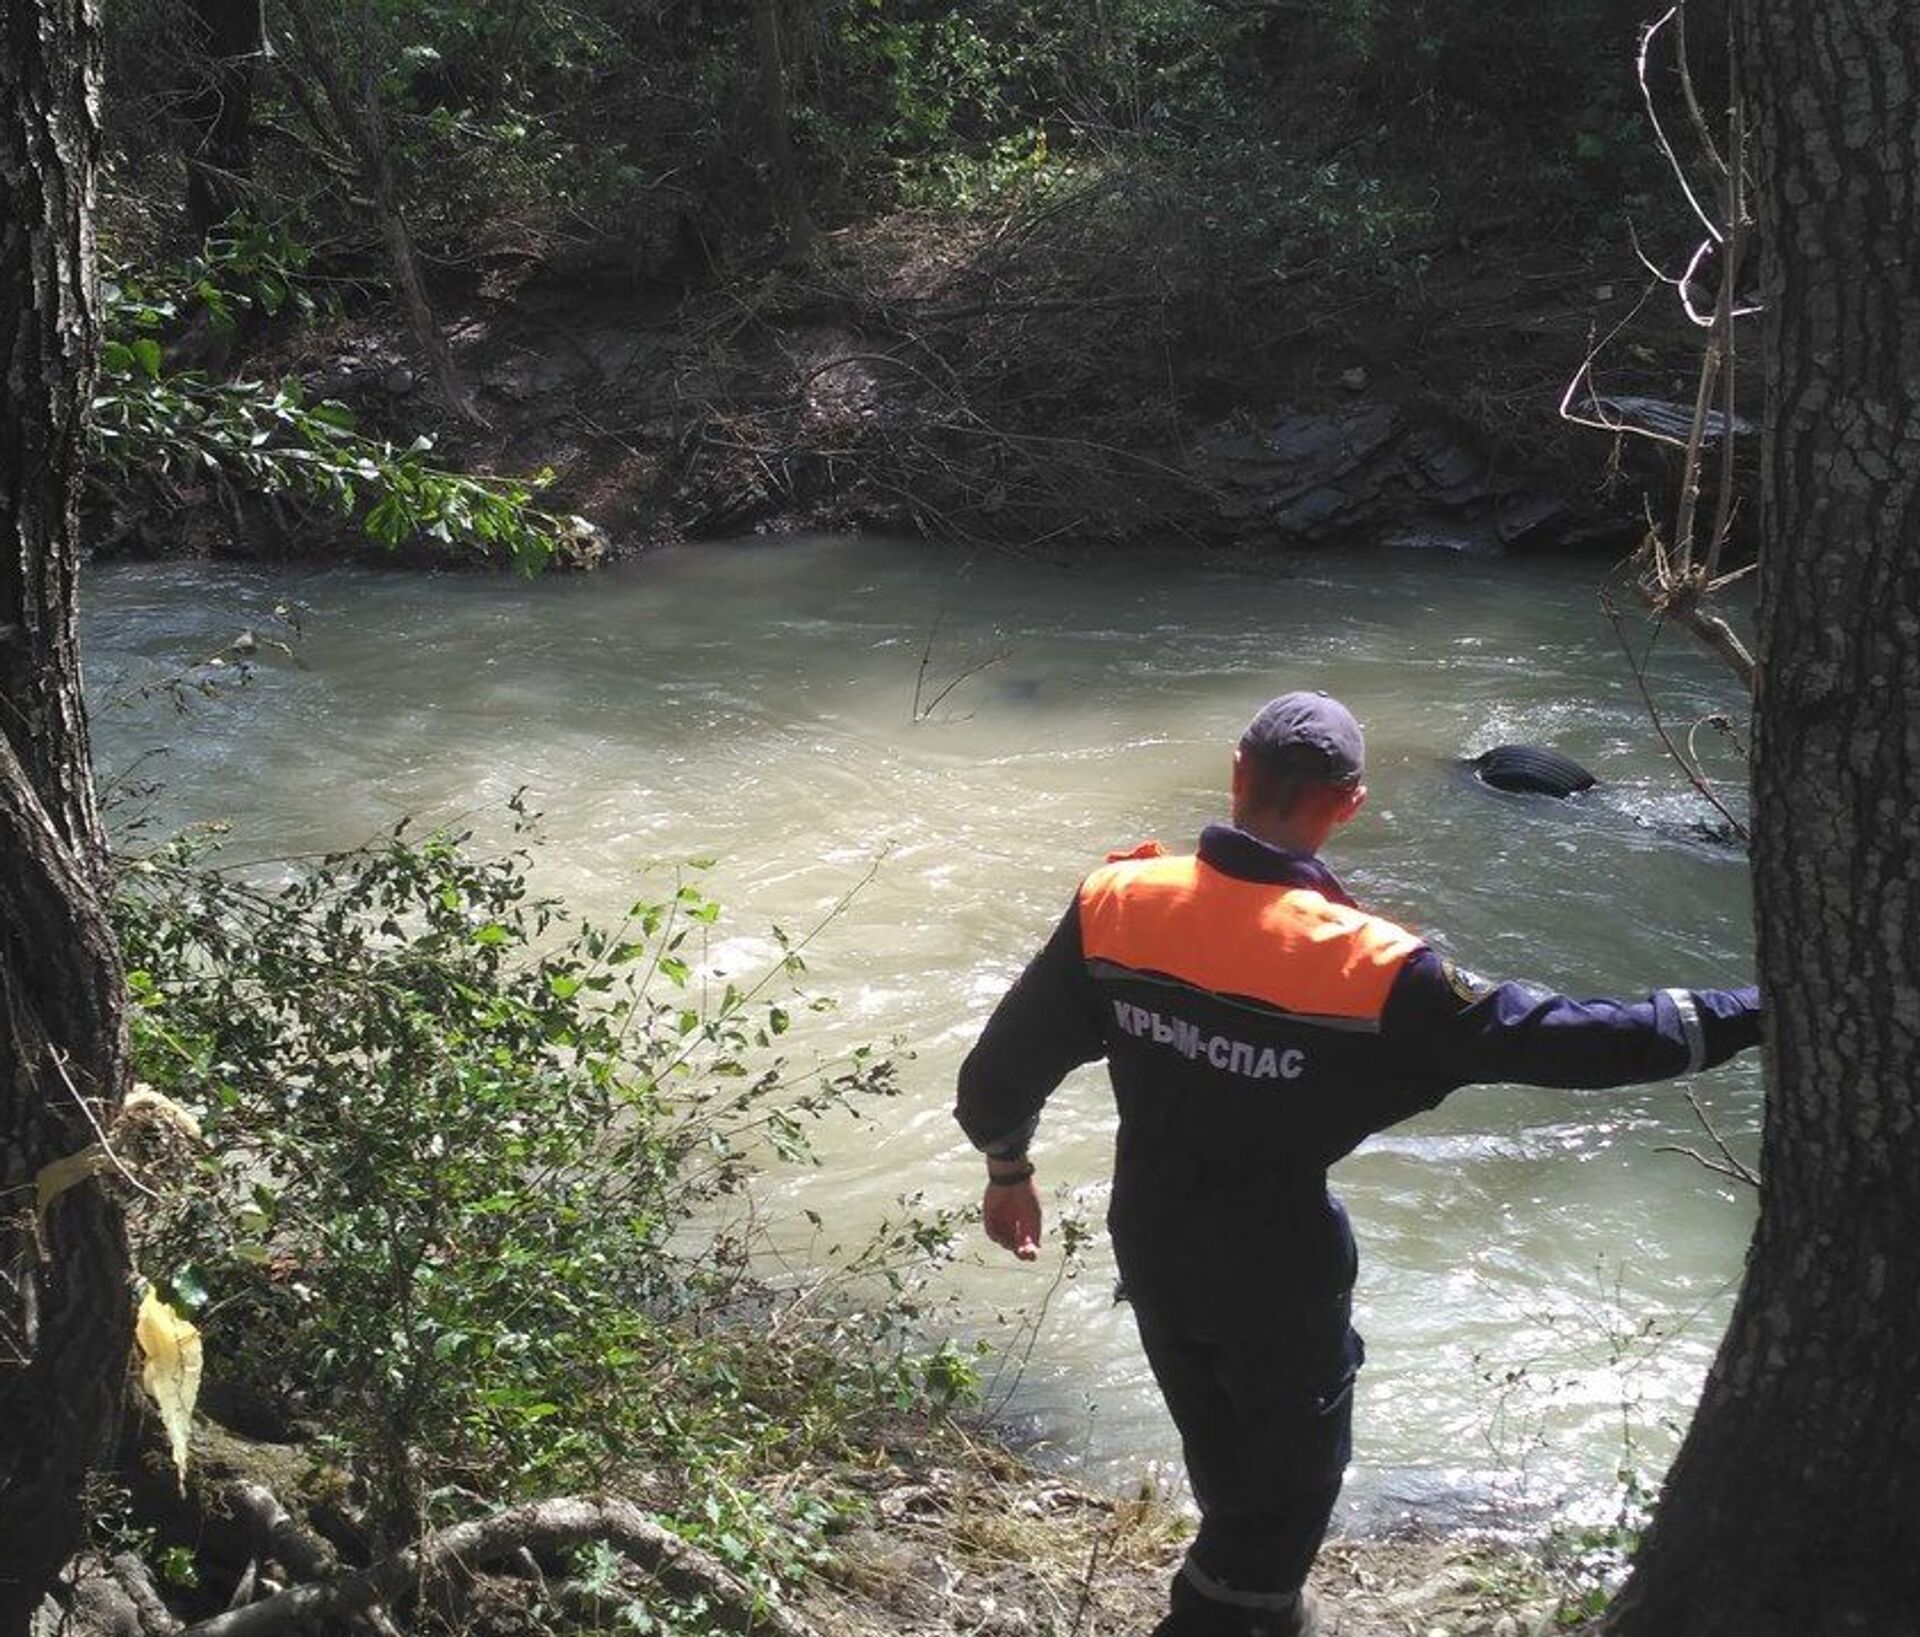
(1462, 1030)
(1044, 1027)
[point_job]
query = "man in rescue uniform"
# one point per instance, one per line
(1257, 1026)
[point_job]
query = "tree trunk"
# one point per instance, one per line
(775, 109)
(1794, 1506)
(226, 39)
(66, 1322)
(363, 130)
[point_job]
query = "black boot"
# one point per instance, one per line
(1193, 1615)
(1302, 1620)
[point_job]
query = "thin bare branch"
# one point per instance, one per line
(99, 1131)
(1646, 261)
(1583, 376)
(1737, 1174)
(1659, 131)
(1737, 226)
(1721, 582)
(965, 675)
(1701, 126)
(1684, 284)
(1687, 506)
(1694, 775)
(926, 660)
(1729, 1163)
(1721, 724)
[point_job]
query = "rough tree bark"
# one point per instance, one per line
(1794, 1506)
(66, 1321)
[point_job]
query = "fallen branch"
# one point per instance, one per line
(540, 1526)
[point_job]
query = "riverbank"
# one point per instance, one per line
(1004, 276)
(1062, 372)
(939, 1528)
(994, 1548)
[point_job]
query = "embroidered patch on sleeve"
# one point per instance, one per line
(1469, 986)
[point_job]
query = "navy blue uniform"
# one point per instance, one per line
(1257, 1026)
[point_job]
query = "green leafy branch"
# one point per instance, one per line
(270, 438)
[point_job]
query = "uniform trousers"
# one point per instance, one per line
(1244, 1312)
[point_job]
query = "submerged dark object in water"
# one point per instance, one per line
(1533, 769)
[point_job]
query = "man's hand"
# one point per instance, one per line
(1011, 1215)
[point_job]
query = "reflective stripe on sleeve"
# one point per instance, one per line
(1013, 1146)
(1218, 1591)
(1689, 1010)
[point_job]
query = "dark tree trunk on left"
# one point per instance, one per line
(66, 1318)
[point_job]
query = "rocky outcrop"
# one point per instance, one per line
(1374, 471)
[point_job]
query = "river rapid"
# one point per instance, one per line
(1541, 1286)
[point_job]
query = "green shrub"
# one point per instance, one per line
(466, 1167)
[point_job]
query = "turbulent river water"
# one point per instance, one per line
(1541, 1285)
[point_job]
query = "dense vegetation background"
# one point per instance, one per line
(1009, 272)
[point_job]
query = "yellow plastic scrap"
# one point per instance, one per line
(55, 1178)
(171, 1373)
(143, 1107)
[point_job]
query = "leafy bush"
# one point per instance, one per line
(266, 437)
(466, 1163)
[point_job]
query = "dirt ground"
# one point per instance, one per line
(993, 1551)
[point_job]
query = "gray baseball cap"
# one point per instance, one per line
(1307, 733)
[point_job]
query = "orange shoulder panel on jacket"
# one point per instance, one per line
(1283, 946)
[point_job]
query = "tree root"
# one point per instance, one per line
(275, 1534)
(301, 1552)
(156, 1619)
(540, 1526)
